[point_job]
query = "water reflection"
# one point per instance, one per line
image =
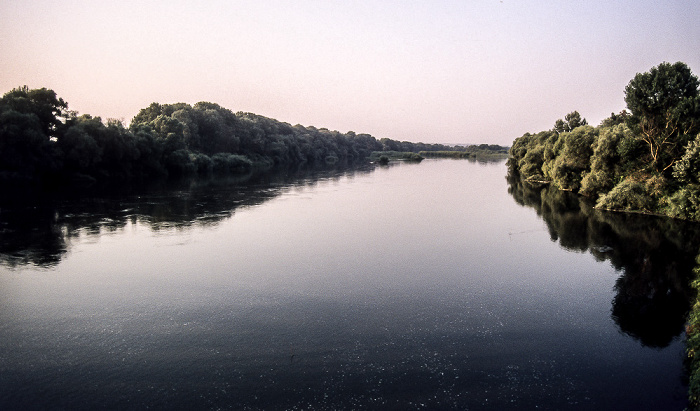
(655, 256)
(401, 288)
(36, 228)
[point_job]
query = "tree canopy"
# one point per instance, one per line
(41, 140)
(570, 122)
(665, 111)
(644, 159)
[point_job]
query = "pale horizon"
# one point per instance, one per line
(435, 72)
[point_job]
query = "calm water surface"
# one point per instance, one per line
(434, 285)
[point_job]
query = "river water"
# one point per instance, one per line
(438, 285)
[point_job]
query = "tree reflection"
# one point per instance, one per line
(36, 228)
(655, 256)
(30, 235)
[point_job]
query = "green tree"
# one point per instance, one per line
(30, 123)
(606, 167)
(687, 169)
(685, 203)
(574, 158)
(570, 122)
(615, 119)
(43, 103)
(665, 111)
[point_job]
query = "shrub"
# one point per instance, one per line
(596, 182)
(687, 169)
(179, 163)
(225, 163)
(203, 163)
(685, 203)
(635, 193)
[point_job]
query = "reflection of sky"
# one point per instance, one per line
(409, 228)
(423, 275)
(438, 71)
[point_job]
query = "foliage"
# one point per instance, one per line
(447, 154)
(482, 152)
(527, 154)
(687, 169)
(571, 121)
(226, 163)
(41, 104)
(395, 155)
(645, 160)
(29, 122)
(685, 203)
(615, 119)
(654, 257)
(692, 343)
(605, 161)
(635, 193)
(43, 142)
(574, 150)
(665, 111)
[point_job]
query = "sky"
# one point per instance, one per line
(433, 71)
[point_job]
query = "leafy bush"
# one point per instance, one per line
(395, 155)
(225, 163)
(203, 163)
(685, 203)
(596, 182)
(179, 163)
(636, 193)
(605, 161)
(531, 164)
(687, 169)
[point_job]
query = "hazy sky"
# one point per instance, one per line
(433, 71)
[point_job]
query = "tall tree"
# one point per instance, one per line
(570, 122)
(43, 103)
(29, 121)
(665, 111)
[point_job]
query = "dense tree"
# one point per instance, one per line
(665, 111)
(43, 104)
(30, 121)
(615, 119)
(570, 122)
(79, 145)
(573, 161)
(687, 169)
(685, 203)
(606, 161)
(642, 160)
(40, 140)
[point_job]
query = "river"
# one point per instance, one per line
(438, 285)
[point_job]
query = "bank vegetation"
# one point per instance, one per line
(42, 142)
(644, 159)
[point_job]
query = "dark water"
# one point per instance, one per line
(436, 285)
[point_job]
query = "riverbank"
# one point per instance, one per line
(692, 332)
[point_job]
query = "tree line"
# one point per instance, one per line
(41, 140)
(643, 159)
